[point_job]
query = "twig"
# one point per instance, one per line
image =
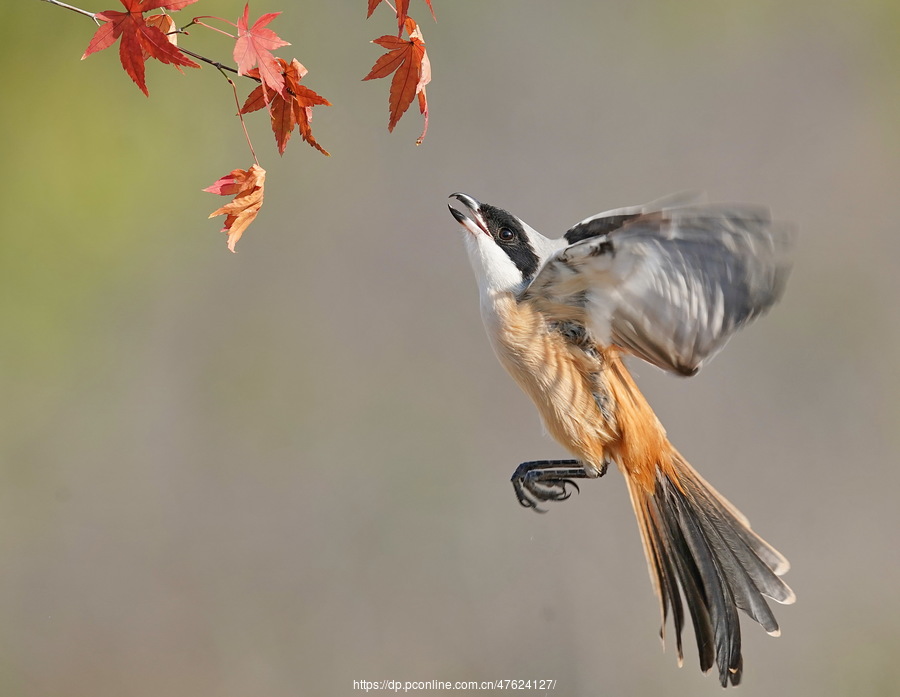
(213, 63)
(70, 7)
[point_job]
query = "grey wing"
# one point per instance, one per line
(670, 286)
(606, 222)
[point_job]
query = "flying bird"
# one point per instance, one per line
(668, 282)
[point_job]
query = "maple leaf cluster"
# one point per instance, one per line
(140, 38)
(247, 188)
(279, 91)
(292, 107)
(288, 102)
(408, 60)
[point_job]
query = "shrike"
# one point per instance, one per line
(668, 282)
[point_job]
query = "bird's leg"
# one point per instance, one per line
(546, 480)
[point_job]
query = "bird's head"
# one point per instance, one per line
(505, 252)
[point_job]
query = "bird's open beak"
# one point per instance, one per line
(474, 221)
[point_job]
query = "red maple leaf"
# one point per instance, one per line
(254, 48)
(408, 61)
(247, 186)
(402, 11)
(292, 108)
(139, 39)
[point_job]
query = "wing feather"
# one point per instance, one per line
(670, 286)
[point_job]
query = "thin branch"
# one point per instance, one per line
(70, 7)
(211, 62)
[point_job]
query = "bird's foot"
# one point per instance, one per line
(549, 480)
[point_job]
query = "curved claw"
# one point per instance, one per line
(555, 489)
(567, 494)
(531, 492)
(524, 500)
(545, 480)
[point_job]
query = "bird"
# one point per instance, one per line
(668, 282)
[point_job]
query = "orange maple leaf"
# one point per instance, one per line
(139, 39)
(254, 47)
(248, 189)
(166, 25)
(402, 11)
(409, 62)
(292, 108)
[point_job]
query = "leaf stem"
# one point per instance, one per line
(399, 26)
(196, 20)
(71, 7)
(423, 108)
(222, 69)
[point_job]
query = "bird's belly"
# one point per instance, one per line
(568, 387)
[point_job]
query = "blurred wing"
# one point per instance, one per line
(669, 286)
(606, 222)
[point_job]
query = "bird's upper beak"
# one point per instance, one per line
(474, 221)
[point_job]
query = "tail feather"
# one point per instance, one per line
(703, 565)
(736, 549)
(700, 546)
(770, 556)
(666, 580)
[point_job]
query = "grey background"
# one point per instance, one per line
(277, 472)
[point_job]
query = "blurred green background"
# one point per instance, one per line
(277, 472)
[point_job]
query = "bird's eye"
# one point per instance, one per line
(505, 234)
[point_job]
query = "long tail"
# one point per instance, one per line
(699, 545)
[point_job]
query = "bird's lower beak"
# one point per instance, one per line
(474, 221)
